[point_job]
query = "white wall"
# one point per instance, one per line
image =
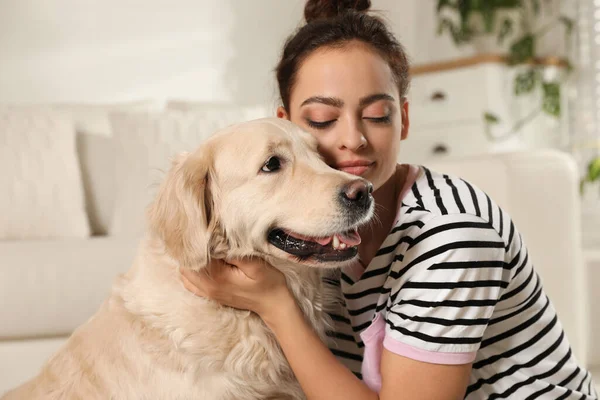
(116, 50)
(221, 50)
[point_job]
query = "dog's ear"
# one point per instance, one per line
(181, 212)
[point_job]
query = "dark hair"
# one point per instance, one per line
(334, 23)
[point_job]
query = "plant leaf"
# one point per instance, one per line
(593, 173)
(465, 8)
(551, 98)
(490, 118)
(462, 34)
(458, 36)
(522, 50)
(488, 13)
(569, 67)
(505, 3)
(505, 29)
(568, 23)
(525, 82)
(444, 24)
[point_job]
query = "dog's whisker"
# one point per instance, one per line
(376, 218)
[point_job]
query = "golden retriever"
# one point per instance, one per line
(254, 189)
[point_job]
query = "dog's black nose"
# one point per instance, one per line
(356, 193)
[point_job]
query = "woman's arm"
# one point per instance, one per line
(260, 288)
(404, 378)
(322, 376)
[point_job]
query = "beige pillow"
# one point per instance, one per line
(95, 148)
(42, 192)
(146, 144)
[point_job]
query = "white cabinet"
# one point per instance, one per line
(447, 108)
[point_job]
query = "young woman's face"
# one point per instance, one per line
(347, 98)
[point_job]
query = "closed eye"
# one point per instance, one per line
(320, 124)
(326, 124)
(379, 120)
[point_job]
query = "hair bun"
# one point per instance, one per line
(321, 9)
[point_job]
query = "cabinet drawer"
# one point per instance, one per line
(456, 96)
(426, 145)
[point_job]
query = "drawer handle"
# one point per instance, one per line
(440, 149)
(438, 96)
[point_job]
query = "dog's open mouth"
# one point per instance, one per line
(337, 247)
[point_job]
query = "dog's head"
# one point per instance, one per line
(260, 188)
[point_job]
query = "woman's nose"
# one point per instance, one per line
(352, 136)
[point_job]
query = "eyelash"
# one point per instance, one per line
(319, 125)
(325, 124)
(381, 120)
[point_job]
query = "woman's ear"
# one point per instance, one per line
(282, 113)
(181, 212)
(405, 118)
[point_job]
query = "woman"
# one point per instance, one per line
(444, 303)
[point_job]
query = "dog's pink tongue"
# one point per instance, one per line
(323, 241)
(350, 238)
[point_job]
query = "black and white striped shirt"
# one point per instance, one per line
(453, 284)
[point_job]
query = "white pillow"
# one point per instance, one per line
(95, 148)
(42, 192)
(146, 143)
(96, 153)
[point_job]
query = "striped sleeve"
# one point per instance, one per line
(452, 275)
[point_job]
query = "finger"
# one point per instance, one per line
(195, 277)
(214, 270)
(191, 287)
(250, 267)
(206, 279)
(223, 274)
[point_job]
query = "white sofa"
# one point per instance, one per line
(48, 287)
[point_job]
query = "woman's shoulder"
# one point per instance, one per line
(432, 194)
(436, 199)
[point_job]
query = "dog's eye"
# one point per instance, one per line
(272, 165)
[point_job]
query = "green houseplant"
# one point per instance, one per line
(592, 174)
(513, 24)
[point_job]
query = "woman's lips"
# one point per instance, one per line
(355, 168)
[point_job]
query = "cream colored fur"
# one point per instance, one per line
(152, 339)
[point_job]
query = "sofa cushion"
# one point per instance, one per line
(41, 181)
(21, 360)
(49, 287)
(146, 144)
(95, 147)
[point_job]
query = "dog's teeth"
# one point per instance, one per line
(342, 246)
(336, 242)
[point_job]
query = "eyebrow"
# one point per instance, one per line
(330, 101)
(339, 103)
(365, 101)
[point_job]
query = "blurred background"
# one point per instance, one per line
(95, 96)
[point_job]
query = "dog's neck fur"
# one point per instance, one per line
(199, 321)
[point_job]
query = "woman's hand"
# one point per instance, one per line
(249, 284)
